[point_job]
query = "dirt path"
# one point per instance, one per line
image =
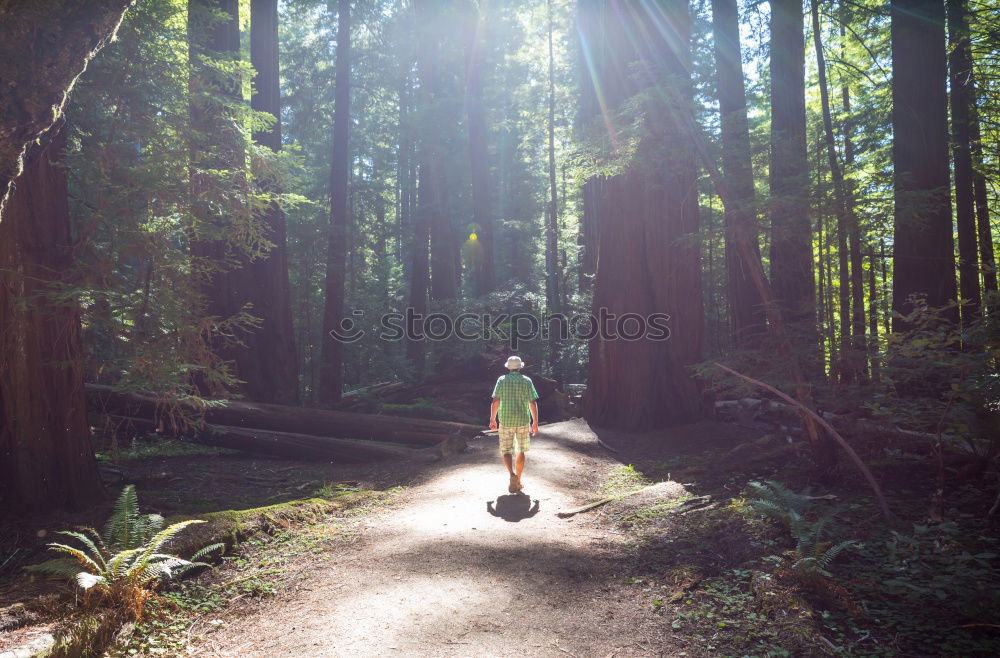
(444, 574)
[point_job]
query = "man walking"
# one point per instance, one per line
(514, 397)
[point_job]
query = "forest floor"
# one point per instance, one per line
(417, 559)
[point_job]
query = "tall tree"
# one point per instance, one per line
(419, 277)
(272, 347)
(217, 161)
(745, 306)
(432, 23)
(588, 110)
(983, 227)
(46, 460)
(791, 235)
(62, 37)
(961, 97)
(479, 160)
(648, 246)
(332, 358)
(860, 344)
(848, 367)
(923, 244)
(552, 289)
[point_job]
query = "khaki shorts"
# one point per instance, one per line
(507, 436)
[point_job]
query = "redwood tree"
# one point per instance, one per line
(648, 251)
(217, 162)
(962, 94)
(745, 307)
(46, 460)
(271, 371)
(588, 24)
(923, 245)
(332, 357)
(479, 160)
(432, 21)
(791, 230)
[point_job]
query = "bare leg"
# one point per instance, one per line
(519, 465)
(508, 462)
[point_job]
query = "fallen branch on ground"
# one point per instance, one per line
(883, 505)
(602, 501)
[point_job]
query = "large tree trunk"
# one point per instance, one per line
(331, 375)
(46, 460)
(745, 307)
(62, 36)
(279, 418)
(791, 230)
(923, 243)
(271, 372)
(479, 157)
(960, 72)
(432, 21)
(648, 245)
(289, 445)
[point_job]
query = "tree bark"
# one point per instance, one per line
(271, 372)
(46, 461)
(960, 76)
(746, 309)
(791, 230)
(331, 376)
(648, 243)
(479, 157)
(62, 36)
(923, 244)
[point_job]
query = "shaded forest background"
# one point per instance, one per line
(808, 191)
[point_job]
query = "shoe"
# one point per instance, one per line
(515, 484)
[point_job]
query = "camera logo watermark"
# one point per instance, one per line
(512, 328)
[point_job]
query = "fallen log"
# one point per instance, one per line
(279, 418)
(284, 444)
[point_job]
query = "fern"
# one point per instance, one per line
(128, 561)
(813, 554)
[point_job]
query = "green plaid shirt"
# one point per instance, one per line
(515, 392)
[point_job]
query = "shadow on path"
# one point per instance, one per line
(512, 507)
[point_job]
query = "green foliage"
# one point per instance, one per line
(813, 553)
(941, 377)
(125, 562)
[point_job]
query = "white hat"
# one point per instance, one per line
(514, 362)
